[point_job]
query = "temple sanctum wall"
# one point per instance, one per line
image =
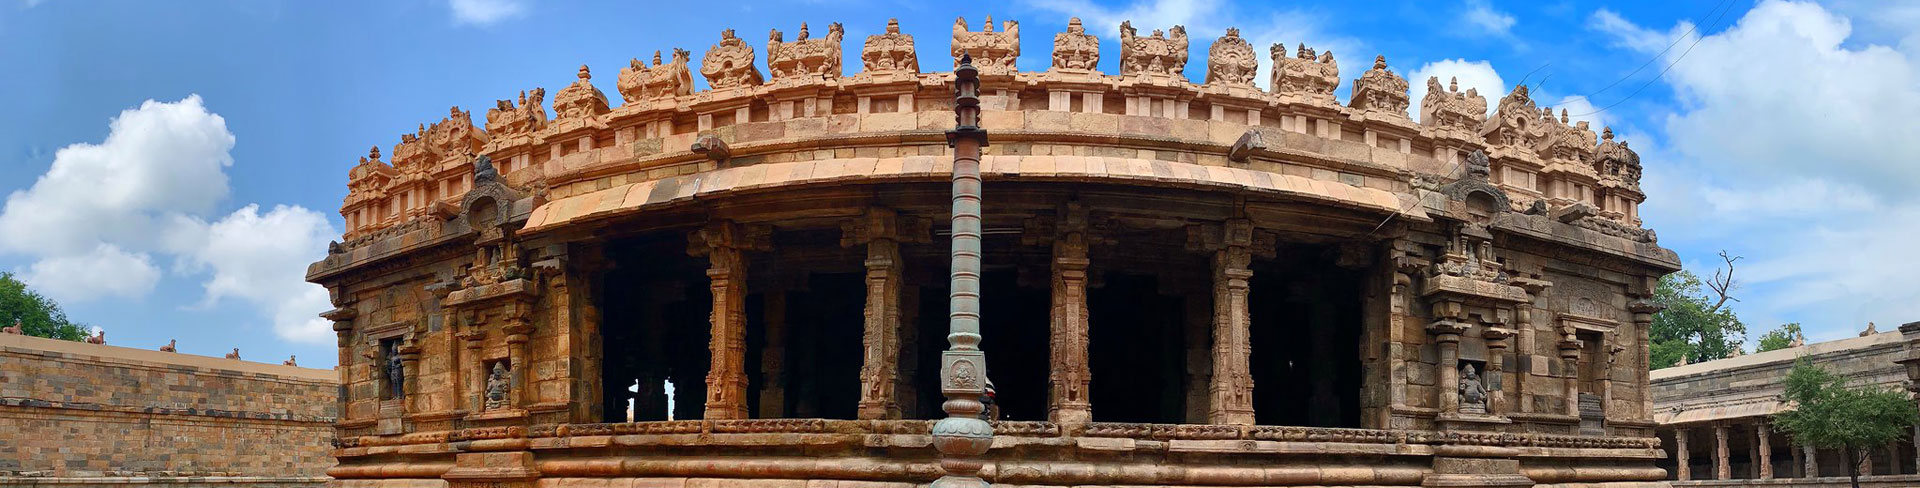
(1184, 284)
(74, 413)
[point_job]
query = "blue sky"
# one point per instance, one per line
(173, 166)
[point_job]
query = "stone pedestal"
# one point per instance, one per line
(1475, 472)
(492, 470)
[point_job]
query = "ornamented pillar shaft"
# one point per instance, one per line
(1446, 334)
(1813, 461)
(963, 436)
(1232, 389)
(1643, 310)
(1068, 403)
(518, 331)
(723, 244)
(1497, 339)
(1721, 467)
(1765, 459)
(1684, 457)
(881, 342)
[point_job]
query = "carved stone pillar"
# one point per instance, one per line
(1799, 463)
(1683, 457)
(1497, 341)
(1812, 459)
(1866, 463)
(773, 356)
(518, 331)
(879, 370)
(724, 243)
(1446, 335)
(1764, 436)
(1232, 386)
(1067, 402)
(1721, 465)
(1643, 310)
(1570, 372)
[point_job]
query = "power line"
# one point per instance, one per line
(1663, 72)
(1663, 52)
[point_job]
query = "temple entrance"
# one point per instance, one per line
(1137, 351)
(1306, 340)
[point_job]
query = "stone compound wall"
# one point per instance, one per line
(76, 413)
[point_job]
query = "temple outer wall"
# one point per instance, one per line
(84, 414)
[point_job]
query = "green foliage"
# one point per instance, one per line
(1692, 324)
(37, 314)
(1829, 414)
(1780, 338)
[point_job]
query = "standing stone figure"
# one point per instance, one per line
(497, 386)
(396, 376)
(1473, 395)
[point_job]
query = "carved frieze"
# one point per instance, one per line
(1075, 49)
(1306, 73)
(1380, 90)
(993, 52)
(729, 64)
(804, 59)
(1231, 60)
(1566, 141)
(642, 83)
(453, 136)
(1157, 54)
(888, 53)
(580, 99)
(508, 119)
(1517, 122)
(1451, 108)
(1615, 162)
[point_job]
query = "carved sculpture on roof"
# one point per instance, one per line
(993, 52)
(804, 59)
(369, 176)
(1075, 49)
(641, 83)
(1614, 160)
(526, 117)
(1517, 122)
(1306, 73)
(1451, 108)
(729, 64)
(891, 52)
(1231, 60)
(453, 136)
(579, 99)
(1379, 89)
(1566, 141)
(1157, 54)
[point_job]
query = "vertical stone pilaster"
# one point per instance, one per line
(1446, 334)
(1683, 456)
(1813, 461)
(1764, 436)
(724, 244)
(1497, 339)
(1231, 390)
(881, 342)
(1722, 469)
(1067, 397)
(1643, 310)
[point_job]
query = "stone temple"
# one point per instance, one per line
(1183, 284)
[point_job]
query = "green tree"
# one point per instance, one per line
(1694, 324)
(1829, 414)
(1781, 338)
(36, 314)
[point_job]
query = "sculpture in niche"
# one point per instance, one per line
(1076, 49)
(804, 59)
(1307, 73)
(891, 52)
(729, 64)
(1379, 89)
(1231, 60)
(993, 52)
(497, 386)
(396, 375)
(1450, 107)
(1157, 54)
(1473, 394)
(580, 99)
(526, 117)
(641, 83)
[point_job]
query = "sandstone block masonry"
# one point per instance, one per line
(95, 414)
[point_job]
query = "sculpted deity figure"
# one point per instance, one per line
(1379, 89)
(1307, 73)
(1450, 107)
(1231, 60)
(1473, 395)
(804, 59)
(1157, 54)
(891, 52)
(1075, 49)
(396, 376)
(497, 386)
(729, 64)
(993, 52)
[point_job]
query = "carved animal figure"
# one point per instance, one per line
(289, 361)
(15, 328)
(235, 354)
(169, 346)
(98, 338)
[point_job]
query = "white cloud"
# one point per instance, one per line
(101, 215)
(159, 159)
(262, 260)
(1494, 22)
(106, 271)
(482, 12)
(1478, 75)
(1790, 148)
